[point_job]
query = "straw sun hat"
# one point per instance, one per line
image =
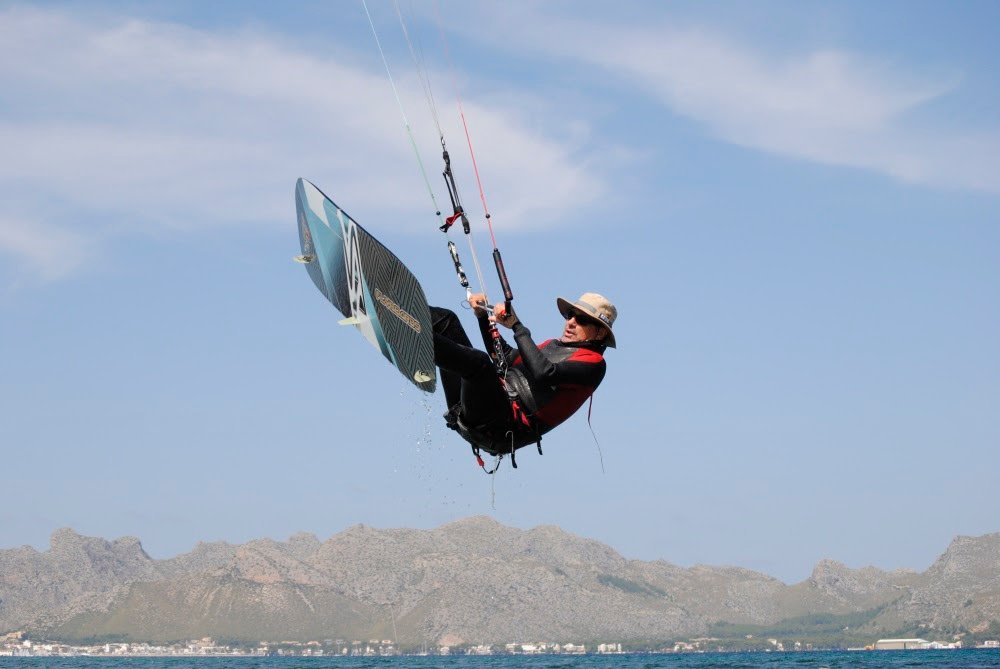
(597, 307)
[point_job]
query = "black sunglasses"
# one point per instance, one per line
(581, 318)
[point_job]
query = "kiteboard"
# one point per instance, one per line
(367, 283)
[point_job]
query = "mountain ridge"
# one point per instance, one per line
(473, 580)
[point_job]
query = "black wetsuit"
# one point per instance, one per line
(551, 381)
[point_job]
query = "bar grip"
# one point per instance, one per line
(502, 273)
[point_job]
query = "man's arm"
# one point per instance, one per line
(584, 367)
(483, 317)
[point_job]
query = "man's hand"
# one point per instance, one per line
(508, 319)
(497, 314)
(479, 306)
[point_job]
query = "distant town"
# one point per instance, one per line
(15, 645)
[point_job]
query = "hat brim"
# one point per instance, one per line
(565, 306)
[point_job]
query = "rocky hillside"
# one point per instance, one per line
(960, 590)
(469, 581)
(76, 574)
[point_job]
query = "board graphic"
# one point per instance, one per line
(367, 283)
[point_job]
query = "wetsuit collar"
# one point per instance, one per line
(593, 345)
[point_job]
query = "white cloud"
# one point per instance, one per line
(47, 251)
(158, 124)
(830, 107)
(825, 105)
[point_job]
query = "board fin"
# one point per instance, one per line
(422, 377)
(351, 320)
(305, 259)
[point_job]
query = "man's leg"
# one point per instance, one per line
(448, 333)
(467, 374)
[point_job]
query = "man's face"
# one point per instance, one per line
(580, 327)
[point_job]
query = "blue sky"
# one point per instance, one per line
(795, 206)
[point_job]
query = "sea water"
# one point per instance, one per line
(946, 659)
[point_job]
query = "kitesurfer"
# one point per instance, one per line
(544, 384)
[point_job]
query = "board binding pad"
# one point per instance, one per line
(367, 283)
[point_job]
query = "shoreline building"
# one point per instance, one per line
(900, 644)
